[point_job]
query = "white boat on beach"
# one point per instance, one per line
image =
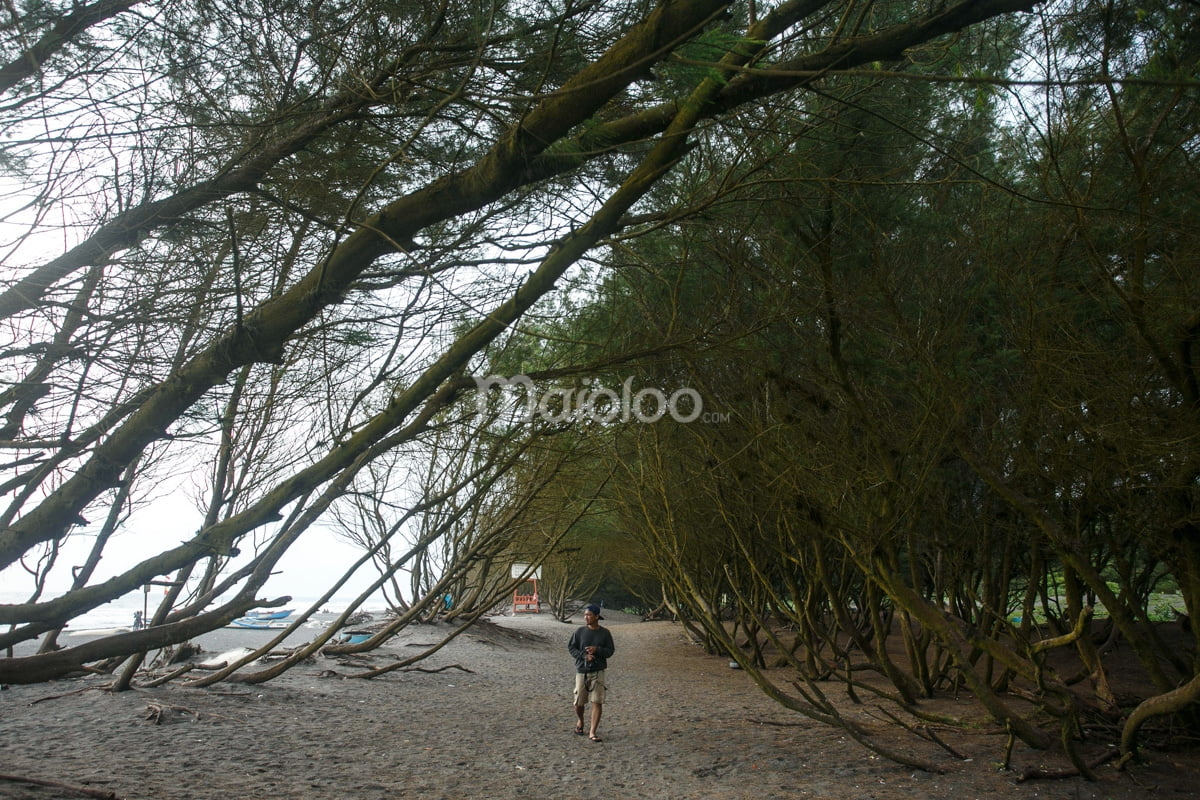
(94, 631)
(264, 619)
(254, 623)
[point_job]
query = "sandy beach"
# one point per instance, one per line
(490, 717)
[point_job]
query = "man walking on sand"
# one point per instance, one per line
(591, 646)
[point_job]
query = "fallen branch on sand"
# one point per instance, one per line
(170, 676)
(373, 673)
(158, 713)
(105, 687)
(922, 732)
(439, 669)
(360, 660)
(82, 791)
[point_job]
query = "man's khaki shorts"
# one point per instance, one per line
(589, 687)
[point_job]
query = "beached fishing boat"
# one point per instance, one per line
(268, 613)
(259, 623)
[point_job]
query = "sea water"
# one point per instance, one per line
(119, 613)
(116, 614)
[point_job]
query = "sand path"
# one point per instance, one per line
(678, 724)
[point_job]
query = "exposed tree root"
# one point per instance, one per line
(1037, 773)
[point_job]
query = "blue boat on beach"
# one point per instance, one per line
(265, 620)
(268, 614)
(259, 624)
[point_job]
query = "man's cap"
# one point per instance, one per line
(595, 609)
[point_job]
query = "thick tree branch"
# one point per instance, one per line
(62, 33)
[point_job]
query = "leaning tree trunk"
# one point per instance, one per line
(1157, 706)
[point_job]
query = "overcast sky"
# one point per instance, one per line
(309, 567)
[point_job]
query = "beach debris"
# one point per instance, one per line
(177, 655)
(280, 655)
(401, 667)
(358, 661)
(225, 659)
(185, 652)
(160, 713)
(103, 688)
(168, 677)
(359, 618)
